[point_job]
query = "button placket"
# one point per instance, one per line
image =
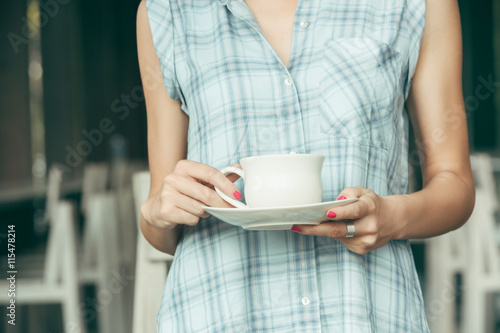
(309, 293)
(240, 10)
(297, 114)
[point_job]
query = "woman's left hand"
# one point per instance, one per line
(370, 215)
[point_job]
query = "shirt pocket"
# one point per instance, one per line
(359, 86)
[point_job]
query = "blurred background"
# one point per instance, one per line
(73, 171)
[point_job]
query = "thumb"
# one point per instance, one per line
(351, 192)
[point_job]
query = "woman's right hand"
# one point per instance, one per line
(184, 191)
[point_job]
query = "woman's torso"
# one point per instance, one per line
(342, 95)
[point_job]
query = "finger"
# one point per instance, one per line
(189, 205)
(183, 217)
(329, 229)
(210, 175)
(355, 210)
(351, 192)
(337, 229)
(201, 193)
(346, 193)
(356, 245)
(168, 214)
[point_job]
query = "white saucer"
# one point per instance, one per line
(276, 218)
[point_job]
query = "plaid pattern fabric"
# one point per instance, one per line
(343, 96)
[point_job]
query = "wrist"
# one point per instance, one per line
(147, 213)
(399, 207)
(157, 227)
(162, 239)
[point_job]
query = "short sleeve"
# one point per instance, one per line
(163, 32)
(415, 17)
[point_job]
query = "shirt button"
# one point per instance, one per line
(304, 24)
(288, 81)
(306, 300)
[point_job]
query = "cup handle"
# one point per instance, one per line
(226, 171)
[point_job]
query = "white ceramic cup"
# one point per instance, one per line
(278, 180)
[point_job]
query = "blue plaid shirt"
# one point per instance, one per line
(342, 96)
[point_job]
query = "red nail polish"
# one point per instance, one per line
(331, 214)
(341, 198)
(237, 195)
(296, 229)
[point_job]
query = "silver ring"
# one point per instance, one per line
(351, 229)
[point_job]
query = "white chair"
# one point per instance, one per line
(445, 258)
(471, 251)
(106, 265)
(151, 268)
(58, 282)
(121, 185)
(109, 238)
(95, 179)
(53, 193)
(100, 260)
(483, 255)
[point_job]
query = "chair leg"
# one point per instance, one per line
(110, 306)
(109, 260)
(440, 295)
(474, 310)
(139, 289)
(440, 304)
(149, 284)
(72, 317)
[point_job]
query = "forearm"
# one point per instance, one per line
(164, 240)
(444, 204)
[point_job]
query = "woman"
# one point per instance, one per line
(225, 79)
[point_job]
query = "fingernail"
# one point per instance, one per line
(341, 198)
(331, 214)
(237, 195)
(296, 229)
